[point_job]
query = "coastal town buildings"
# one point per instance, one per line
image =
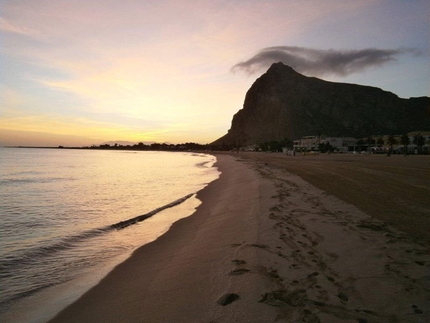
(373, 144)
(412, 148)
(307, 143)
(340, 144)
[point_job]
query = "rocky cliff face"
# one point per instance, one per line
(285, 104)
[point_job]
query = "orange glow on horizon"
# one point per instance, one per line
(161, 71)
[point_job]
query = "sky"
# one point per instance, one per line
(78, 72)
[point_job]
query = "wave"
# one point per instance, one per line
(42, 180)
(4, 304)
(10, 262)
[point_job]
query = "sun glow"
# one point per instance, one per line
(161, 71)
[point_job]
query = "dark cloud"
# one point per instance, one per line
(318, 62)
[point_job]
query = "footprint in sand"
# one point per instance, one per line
(310, 317)
(261, 246)
(343, 297)
(417, 310)
(239, 262)
(282, 297)
(239, 271)
(227, 299)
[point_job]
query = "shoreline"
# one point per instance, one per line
(92, 250)
(265, 245)
(178, 261)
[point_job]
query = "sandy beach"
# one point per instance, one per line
(284, 239)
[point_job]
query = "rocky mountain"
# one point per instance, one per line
(285, 104)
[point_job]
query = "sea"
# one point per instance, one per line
(69, 216)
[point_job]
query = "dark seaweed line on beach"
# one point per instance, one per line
(68, 242)
(126, 223)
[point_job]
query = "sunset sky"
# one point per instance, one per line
(79, 72)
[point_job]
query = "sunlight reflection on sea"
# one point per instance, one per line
(57, 209)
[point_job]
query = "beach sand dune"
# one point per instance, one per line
(264, 246)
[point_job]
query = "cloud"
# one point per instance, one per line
(9, 27)
(318, 62)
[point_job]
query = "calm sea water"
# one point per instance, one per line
(67, 217)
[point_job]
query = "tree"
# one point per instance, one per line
(370, 141)
(405, 141)
(325, 147)
(360, 144)
(391, 141)
(380, 141)
(275, 145)
(419, 141)
(287, 143)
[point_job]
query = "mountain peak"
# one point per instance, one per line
(281, 67)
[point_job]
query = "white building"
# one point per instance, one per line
(307, 143)
(341, 144)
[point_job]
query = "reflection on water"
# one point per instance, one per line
(57, 206)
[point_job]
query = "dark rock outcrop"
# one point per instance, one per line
(285, 104)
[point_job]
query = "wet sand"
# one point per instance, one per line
(266, 245)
